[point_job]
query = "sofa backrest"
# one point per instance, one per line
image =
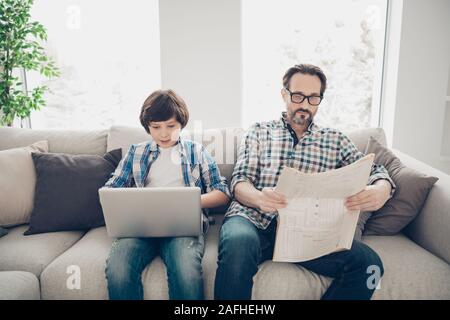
(60, 141)
(222, 143)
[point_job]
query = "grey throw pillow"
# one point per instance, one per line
(362, 220)
(412, 188)
(66, 195)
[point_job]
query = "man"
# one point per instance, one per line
(248, 233)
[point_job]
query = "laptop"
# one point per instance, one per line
(152, 212)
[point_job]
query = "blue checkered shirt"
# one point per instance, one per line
(269, 146)
(198, 168)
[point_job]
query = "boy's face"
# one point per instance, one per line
(165, 133)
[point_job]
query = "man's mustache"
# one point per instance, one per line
(304, 110)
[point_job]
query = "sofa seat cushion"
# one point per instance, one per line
(89, 256)
(33, 253)
(411, 272)
(19, 285)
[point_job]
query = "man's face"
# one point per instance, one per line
(301, 114)
(165, 133)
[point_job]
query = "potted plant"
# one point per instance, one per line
(21, 50)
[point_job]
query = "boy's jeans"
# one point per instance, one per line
(243, 247)
(130, 256)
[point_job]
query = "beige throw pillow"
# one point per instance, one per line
(17, 182)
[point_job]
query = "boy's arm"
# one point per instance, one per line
(122, 176)
(217, 192)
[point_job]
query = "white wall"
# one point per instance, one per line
(203, 64)
(417, 75)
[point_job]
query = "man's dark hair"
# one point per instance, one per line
(162, 105)
(305, 69)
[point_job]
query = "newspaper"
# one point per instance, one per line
(315, 221)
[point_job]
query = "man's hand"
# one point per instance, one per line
(371, 198)
(269, 200)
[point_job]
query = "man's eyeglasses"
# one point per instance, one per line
(297, 97)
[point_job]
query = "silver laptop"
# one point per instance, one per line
(152, 212)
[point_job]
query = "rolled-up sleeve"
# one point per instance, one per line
(122, 177)
(247, 164)
(211, 175)
(349, 154)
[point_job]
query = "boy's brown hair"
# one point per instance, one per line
(162, 105)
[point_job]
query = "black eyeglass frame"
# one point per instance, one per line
(304, 97)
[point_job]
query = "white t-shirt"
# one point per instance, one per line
(166, 170)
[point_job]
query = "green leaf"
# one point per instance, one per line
(21, 47)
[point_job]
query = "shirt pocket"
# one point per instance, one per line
(271, 163)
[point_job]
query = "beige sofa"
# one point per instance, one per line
(39, 266)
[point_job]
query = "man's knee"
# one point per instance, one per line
(239, 238)
(365, 258)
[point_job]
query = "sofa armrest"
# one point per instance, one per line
(431, 228)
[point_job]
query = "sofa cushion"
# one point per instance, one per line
(89, 258)
(33, 253)
(67, 186)
(17, 183)
(19, 285)
(412, 188)
(411, 272)
(61, 140)
(90, 254)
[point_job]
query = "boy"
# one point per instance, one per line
(165, 161)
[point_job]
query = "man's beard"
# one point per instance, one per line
(301, 119)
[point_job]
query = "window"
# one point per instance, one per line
(108, 53)
(345, 38)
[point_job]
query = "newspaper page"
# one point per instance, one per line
(315, 221)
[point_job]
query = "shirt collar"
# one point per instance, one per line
(155, 148)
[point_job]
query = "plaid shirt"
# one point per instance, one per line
(269, 146)
(198, 168)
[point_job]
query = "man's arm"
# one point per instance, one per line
(380, 186)
(372, 198)
(266, 200)
(245, 175)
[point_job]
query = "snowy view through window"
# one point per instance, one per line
(345, 38)
(110, 59)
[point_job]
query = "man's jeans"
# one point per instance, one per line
(130, 256)
(243, 247)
